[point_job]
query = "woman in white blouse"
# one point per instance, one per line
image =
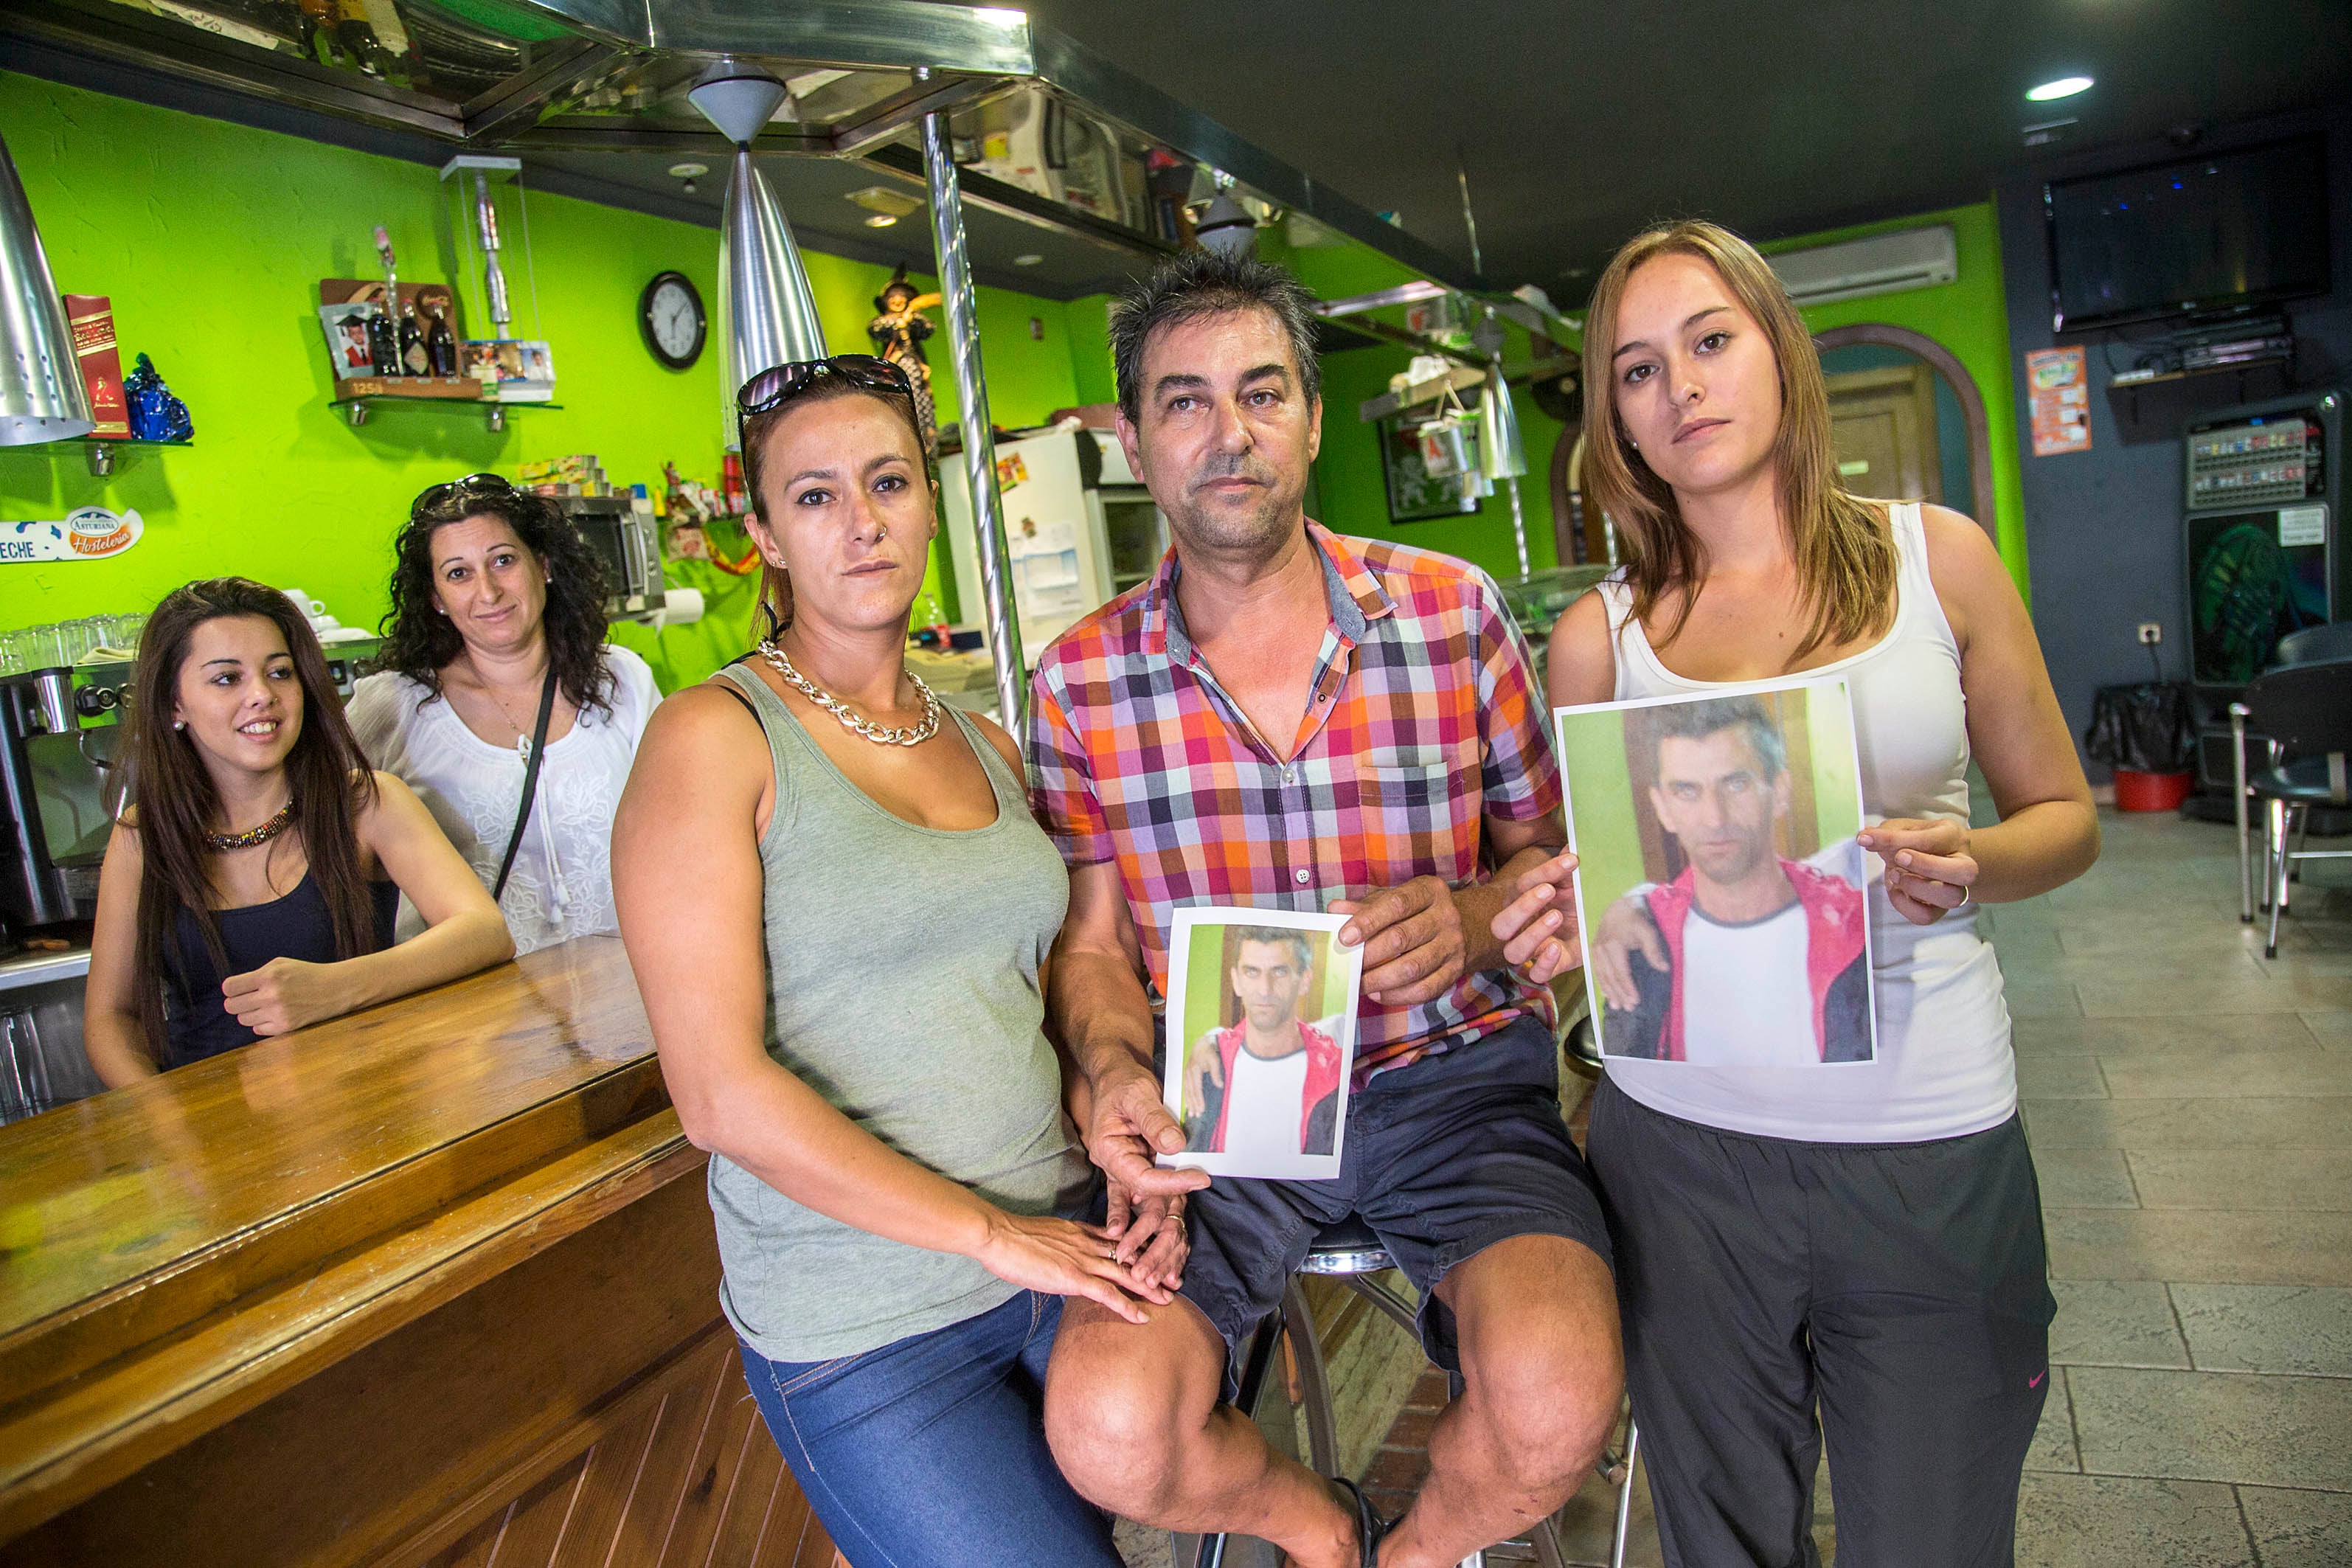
(495, 599)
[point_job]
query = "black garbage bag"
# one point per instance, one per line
(2143, 727)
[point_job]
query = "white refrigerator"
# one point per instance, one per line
(1078, 526)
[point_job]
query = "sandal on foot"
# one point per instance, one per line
(1370, 1526)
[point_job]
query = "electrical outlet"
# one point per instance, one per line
(2151, 633)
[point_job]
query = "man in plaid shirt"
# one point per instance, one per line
(1286, 719)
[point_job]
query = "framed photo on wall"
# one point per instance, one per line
(1429, 476)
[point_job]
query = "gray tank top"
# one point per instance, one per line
(902, 986)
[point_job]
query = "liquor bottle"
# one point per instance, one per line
(383, 343)
(414, 360)
(387, 358)
(441, 345)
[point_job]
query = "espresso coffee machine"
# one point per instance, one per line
(55, 816)
(54, 797)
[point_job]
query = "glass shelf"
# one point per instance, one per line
(355, 409)
(101, 449)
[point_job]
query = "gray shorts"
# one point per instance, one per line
(1442, 1159)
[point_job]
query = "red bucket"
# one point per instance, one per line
(2151, 792)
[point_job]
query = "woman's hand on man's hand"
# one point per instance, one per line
(1063, 1258)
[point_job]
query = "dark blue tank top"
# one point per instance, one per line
(196, 1020)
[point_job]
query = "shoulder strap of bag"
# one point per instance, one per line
(529, 781)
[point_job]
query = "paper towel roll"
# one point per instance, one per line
(680, 606)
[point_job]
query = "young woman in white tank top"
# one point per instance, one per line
(1863, 1239)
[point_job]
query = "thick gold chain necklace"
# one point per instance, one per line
(223, 843)
(880, 734)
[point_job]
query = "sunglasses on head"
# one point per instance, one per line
(779, 385)
(438, 496)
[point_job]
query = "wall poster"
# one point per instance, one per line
(2061, 390)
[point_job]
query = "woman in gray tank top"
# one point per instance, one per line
(1856, 1244)
(837, 907)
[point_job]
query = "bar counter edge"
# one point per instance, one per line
(421, 1285)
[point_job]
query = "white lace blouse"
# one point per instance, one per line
(562, 885)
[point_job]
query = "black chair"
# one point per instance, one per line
(2303, 713)
(1286, 1356)
(2316, 644)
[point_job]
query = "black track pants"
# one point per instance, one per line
(1901, 1287)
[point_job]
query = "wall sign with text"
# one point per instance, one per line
(88, 533)
(2061, 389)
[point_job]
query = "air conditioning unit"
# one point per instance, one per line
(1881, 264)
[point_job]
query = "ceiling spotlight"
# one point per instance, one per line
(881, 220)
(1031, 260)
(690, 173)
(2064, 87)
(884, 201)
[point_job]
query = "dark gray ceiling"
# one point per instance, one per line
(1580, 123)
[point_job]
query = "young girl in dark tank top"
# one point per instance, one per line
(249, 886)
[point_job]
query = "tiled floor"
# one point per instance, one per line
(2189, 1105)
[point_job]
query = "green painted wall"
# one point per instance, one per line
(211, 238)
(1087, 321)
(1968, 316)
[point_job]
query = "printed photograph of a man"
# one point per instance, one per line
(1267, 1011)
(1743, 939)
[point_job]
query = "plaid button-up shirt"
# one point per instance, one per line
(1422, 717)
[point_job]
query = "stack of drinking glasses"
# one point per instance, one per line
(99, 639)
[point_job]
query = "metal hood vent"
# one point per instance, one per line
(1047, 133)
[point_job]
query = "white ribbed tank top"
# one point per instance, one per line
(1944, 1066)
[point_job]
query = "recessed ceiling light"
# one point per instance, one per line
(2064, 87)
(688, 171)
(885, 199)
(880, 220)
(1029, 260)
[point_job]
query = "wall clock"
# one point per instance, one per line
(669, 313)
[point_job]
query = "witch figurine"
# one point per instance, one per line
(899, 332)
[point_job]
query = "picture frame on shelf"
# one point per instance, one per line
(345, 327)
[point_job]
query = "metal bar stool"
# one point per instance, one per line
(1351, 1252)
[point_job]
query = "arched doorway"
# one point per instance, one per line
(1874, 365)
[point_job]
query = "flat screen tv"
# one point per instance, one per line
(2209, 234)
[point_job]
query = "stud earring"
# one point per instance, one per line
(179, 723)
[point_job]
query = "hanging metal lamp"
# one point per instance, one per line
(1502, 454)
(767, 311)
(41, 395)
(1226, 226)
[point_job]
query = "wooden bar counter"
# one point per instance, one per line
(431, 1284)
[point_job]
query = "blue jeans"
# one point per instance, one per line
(930, 1451)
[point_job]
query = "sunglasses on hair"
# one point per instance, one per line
(779, 385)
(437, 496)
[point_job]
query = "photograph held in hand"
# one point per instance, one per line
(1720, 885)
(1266, 1000)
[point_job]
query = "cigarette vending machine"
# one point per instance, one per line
(2263, 547)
